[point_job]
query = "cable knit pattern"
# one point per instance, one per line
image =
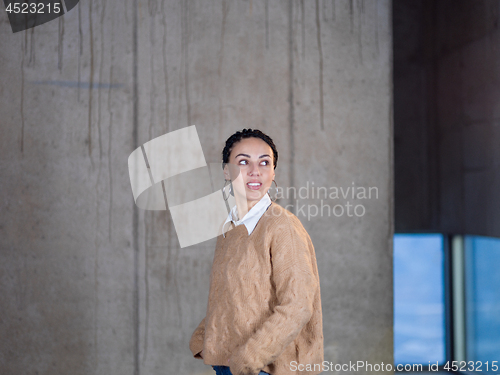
(264, 306)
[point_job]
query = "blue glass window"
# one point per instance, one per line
(419, 307)
(482, 300)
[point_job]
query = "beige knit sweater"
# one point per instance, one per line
(264, 306)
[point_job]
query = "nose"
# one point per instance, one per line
(253, 170)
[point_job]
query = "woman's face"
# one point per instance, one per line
(254, 157)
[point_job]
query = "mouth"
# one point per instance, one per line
(254, 185)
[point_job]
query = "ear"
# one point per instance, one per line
(226, 173)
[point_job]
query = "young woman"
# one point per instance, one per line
(264, 306)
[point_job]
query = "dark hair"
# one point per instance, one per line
(248, 133)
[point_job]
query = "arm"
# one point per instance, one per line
(296, 286)
(196, 342)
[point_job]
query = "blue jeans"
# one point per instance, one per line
(224, 370)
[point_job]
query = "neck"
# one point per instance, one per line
(243, 206)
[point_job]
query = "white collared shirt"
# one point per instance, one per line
(252, 217)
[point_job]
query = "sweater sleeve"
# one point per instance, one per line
(196, 342)
(296, 286)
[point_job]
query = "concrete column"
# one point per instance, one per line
(446, 117)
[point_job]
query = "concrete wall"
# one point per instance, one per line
(90, 284)
(447, 95)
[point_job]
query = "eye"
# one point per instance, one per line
(265, 162)
(243, 162)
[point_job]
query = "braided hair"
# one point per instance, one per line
(248, 133)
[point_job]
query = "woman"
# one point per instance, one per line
(264, 308)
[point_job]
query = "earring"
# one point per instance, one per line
(226, 182)
(276, 196)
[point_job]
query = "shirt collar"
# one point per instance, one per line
(252, 217)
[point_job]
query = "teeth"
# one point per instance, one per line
(253, 184)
